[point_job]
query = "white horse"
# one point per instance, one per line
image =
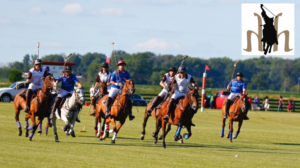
(69, 112)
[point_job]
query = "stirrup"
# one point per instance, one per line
(26, 110)
(131, 117)
(166, 118)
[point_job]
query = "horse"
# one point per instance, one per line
(237, 112)
(182, 116)
(155, 114)
(119, 112)
(69, 112)
(37, 106)
(96, 100)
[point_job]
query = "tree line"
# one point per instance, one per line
(263, 73)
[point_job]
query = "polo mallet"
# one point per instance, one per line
(83, 129)
(259, 115)
(233, 69)
(65, 63)
(112, 44)
(38, 45)
(268, 10)
(182, 60)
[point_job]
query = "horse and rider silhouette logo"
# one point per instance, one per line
(269, 29)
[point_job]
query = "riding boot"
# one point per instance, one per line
(129, 106)
(170, 110)
(228, 103)
(107, 106)
(246, 112)
(155, 102)
(28, 99)
(55, 106)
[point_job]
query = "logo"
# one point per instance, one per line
(103, 102)
(268, 29)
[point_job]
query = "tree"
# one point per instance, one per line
(15, 75)
(26, 63)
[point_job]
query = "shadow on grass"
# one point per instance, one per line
(297, 144)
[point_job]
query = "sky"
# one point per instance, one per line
(197, 28)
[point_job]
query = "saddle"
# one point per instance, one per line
(34, 94)
(63, 100)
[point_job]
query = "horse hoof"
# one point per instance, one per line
(100, 139)
(234, 137)
(186, 136)
(20, 133)
(73, 134)
(164, 146)
(230, 141)
(39, 132)
(98, 135)
(113, 141)
(160, 137)
(155, 142)
(30, 139)
(26, 134)
(46, 134)
(180, 141)
(153, 134)
(57, 141)
(221, 136)
(142, 137)
(176, 138)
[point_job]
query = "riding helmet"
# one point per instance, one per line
(46, 68)
(37, 61)
(240, 74)
(104, 65)
(172, 69)
(121, 62)
(182, 69)
(68, 68)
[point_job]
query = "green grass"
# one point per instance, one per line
(270, 142)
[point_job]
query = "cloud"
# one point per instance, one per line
(35, 10)
(72, 9)
(157, 44)
(52, 44)
(5, 21)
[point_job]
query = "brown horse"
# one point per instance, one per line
(183, 115)
(37, 106)
(155, 114)
(237, 112)
(96, 102)
(119, 112)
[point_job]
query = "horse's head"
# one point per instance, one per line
(128, 86)
(79, 95)
(49, 83)
(192, 96)
(102, 88)
(243, 101)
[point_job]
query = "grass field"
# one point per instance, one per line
(270, 142)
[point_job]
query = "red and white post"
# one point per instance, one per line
(203, 91)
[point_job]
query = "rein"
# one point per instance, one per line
(121, 96)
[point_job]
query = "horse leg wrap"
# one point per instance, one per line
(178, 131)
(222, 132)
(19, 124)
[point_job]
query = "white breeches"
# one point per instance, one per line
(63, 93)
(34, 87)
(233, 95)
(177, 94)
(163, 93)
(113, 92)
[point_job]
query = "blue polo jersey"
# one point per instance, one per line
(68, 83)
(115, 77)
(237, 86)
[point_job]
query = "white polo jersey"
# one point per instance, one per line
(183, 84)
(36, 76)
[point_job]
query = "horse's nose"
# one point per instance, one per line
(194, 107)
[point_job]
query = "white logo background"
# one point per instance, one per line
(285, 22)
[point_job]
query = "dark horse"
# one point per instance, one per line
(236, 113)
(182, 116)
(38, 106)
(118, 112)
(269, 32)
